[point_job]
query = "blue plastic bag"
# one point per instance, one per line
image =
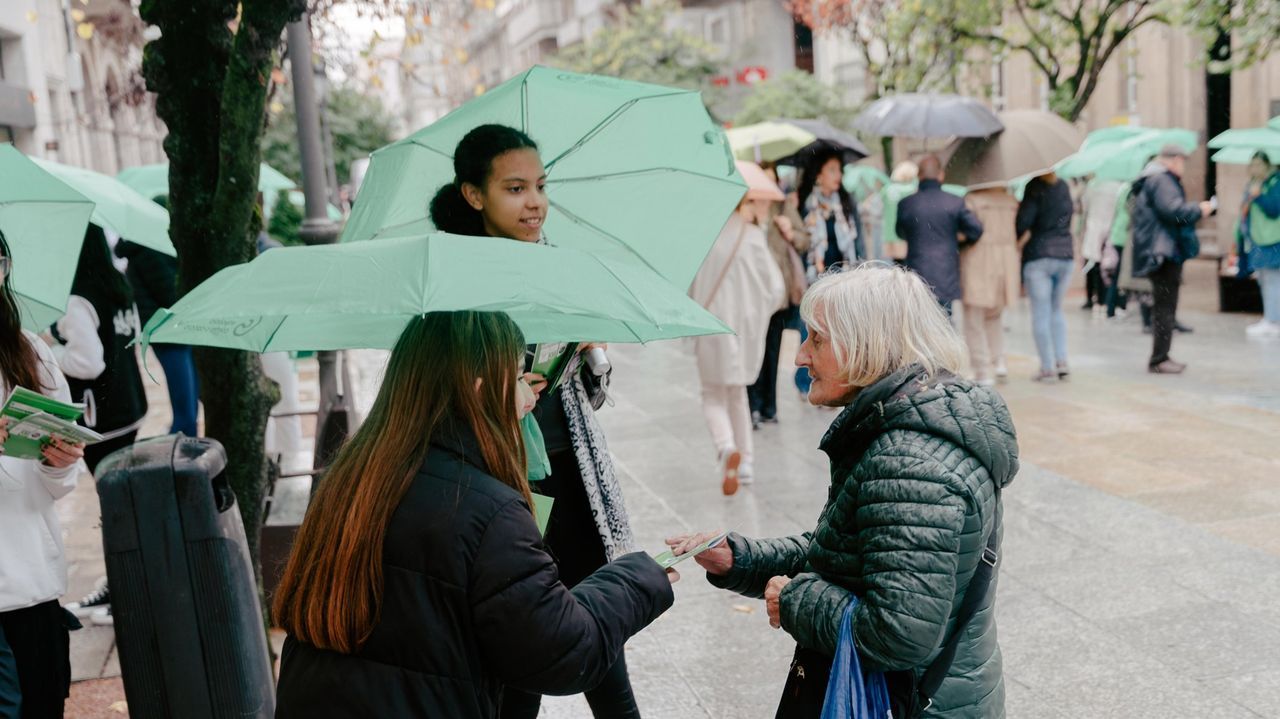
(850, 693)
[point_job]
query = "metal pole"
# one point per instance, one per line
(317, 229)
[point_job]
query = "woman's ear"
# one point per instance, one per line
(473, 196)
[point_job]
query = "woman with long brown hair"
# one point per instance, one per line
(35, 664)
(418, 585)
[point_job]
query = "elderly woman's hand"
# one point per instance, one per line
(717, 560)
(772, 594)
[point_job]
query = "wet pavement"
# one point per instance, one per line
(1142, 547)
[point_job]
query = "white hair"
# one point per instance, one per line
(880, 319)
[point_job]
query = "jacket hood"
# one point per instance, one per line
(1155, 167)
(973, 418)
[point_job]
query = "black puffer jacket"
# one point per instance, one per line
(472, 602)
(1162, 220)
(152, 275)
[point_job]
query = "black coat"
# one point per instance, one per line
(931, 222)
(472, 602)
(1046, 211)
(1160, 218)
(153, 276)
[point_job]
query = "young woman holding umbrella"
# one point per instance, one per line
(418, 585)
(35, 665)
(499, 190)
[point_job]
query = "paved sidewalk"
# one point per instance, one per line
(1142, 546)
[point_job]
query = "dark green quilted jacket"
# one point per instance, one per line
(915, 469)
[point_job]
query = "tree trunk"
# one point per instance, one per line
(211, 93)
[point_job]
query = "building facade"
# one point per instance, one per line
(69, 84)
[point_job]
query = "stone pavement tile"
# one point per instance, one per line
(1144, 697)
(96, 699)
(1030, 541)
(90, 649)
(1260, 532)
(1244, 496)
(1023, 702)
(1045, 645)
(1109, 586)
(1249, 581)
(1258, 691)
(1204, 641)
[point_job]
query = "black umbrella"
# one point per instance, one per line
(829, 139)
(926, 116)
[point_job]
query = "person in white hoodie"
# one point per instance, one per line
(35, 667)
(740, 283)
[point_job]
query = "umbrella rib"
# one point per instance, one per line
(604, 233)
(652, 320)
(632, 173)
(618, 112)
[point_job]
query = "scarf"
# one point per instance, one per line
(826, 207)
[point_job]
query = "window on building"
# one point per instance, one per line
(804, 47)
(717, 30)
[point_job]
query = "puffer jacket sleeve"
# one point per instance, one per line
(1169, 204)
(536, 634)
(756, 561)
(909, 520)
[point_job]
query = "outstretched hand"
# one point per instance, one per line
(718, 560)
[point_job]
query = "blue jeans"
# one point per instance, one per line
(184, 388)
(1269, 282)
(1046, 280)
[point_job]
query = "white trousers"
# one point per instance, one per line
(728, 416)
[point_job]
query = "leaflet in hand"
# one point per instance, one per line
(667, 559)
(35, 419)
(550, 360)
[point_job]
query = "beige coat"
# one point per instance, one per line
(781, 248)
(990, 269)
(747, 297)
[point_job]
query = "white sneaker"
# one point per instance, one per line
(1002, 370)
(96, 599)
(102, 617)
(1263, 329)
(746, 474)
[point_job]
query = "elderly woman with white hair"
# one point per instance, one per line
(911, 528)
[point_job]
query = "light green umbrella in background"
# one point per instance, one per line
(861, 180)
(634, 171)
(44, 221)
(1244, 155)
(1123, 157)
(361, 295)
(152, 181)
(768, 141)
(1237, 147)
(118, 207)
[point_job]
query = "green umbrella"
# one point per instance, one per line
(1252, 137)
(1123, 157)
(118, 207)
(44, 221)
(768, 141)
(862, 180)
(361, 295)
(633, 170)
(1244, 155)
(153, 180)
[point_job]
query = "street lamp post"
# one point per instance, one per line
(317, 228)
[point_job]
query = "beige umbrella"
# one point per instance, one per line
(1031, 143)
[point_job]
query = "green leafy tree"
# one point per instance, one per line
(286, 221)
(641, 46)
(210, 68)
(358, 123)
(1254, 27)
(794, 94)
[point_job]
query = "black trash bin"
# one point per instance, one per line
(185, 602)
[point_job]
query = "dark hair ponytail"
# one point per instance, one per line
(18, 359)
(472, 164)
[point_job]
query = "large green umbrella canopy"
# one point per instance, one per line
(634, 170)
(1244, 155)
(118, 207)
(362, 295)
(1122, 158)
(861, 180)
(44, 221)
(153, 180)
(768, 141)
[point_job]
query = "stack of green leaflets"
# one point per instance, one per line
(35, 419)
(667, 559)
(550, 360)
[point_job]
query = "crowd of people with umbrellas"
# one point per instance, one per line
(469, 549)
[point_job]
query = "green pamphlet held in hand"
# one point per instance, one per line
(667, 559)
(34, 420)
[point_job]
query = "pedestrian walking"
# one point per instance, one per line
(1098, 207)
(1259, 237)
(741, 284)
(499, 190)
(919, 458)
(1164, 236)
(788, 241)
(418, 585)
(92, 345)
(989, 281)
(1114, 266)
(153, 277)
(830, 214)
(934, 223)
(35, 663)
(1044, 237)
